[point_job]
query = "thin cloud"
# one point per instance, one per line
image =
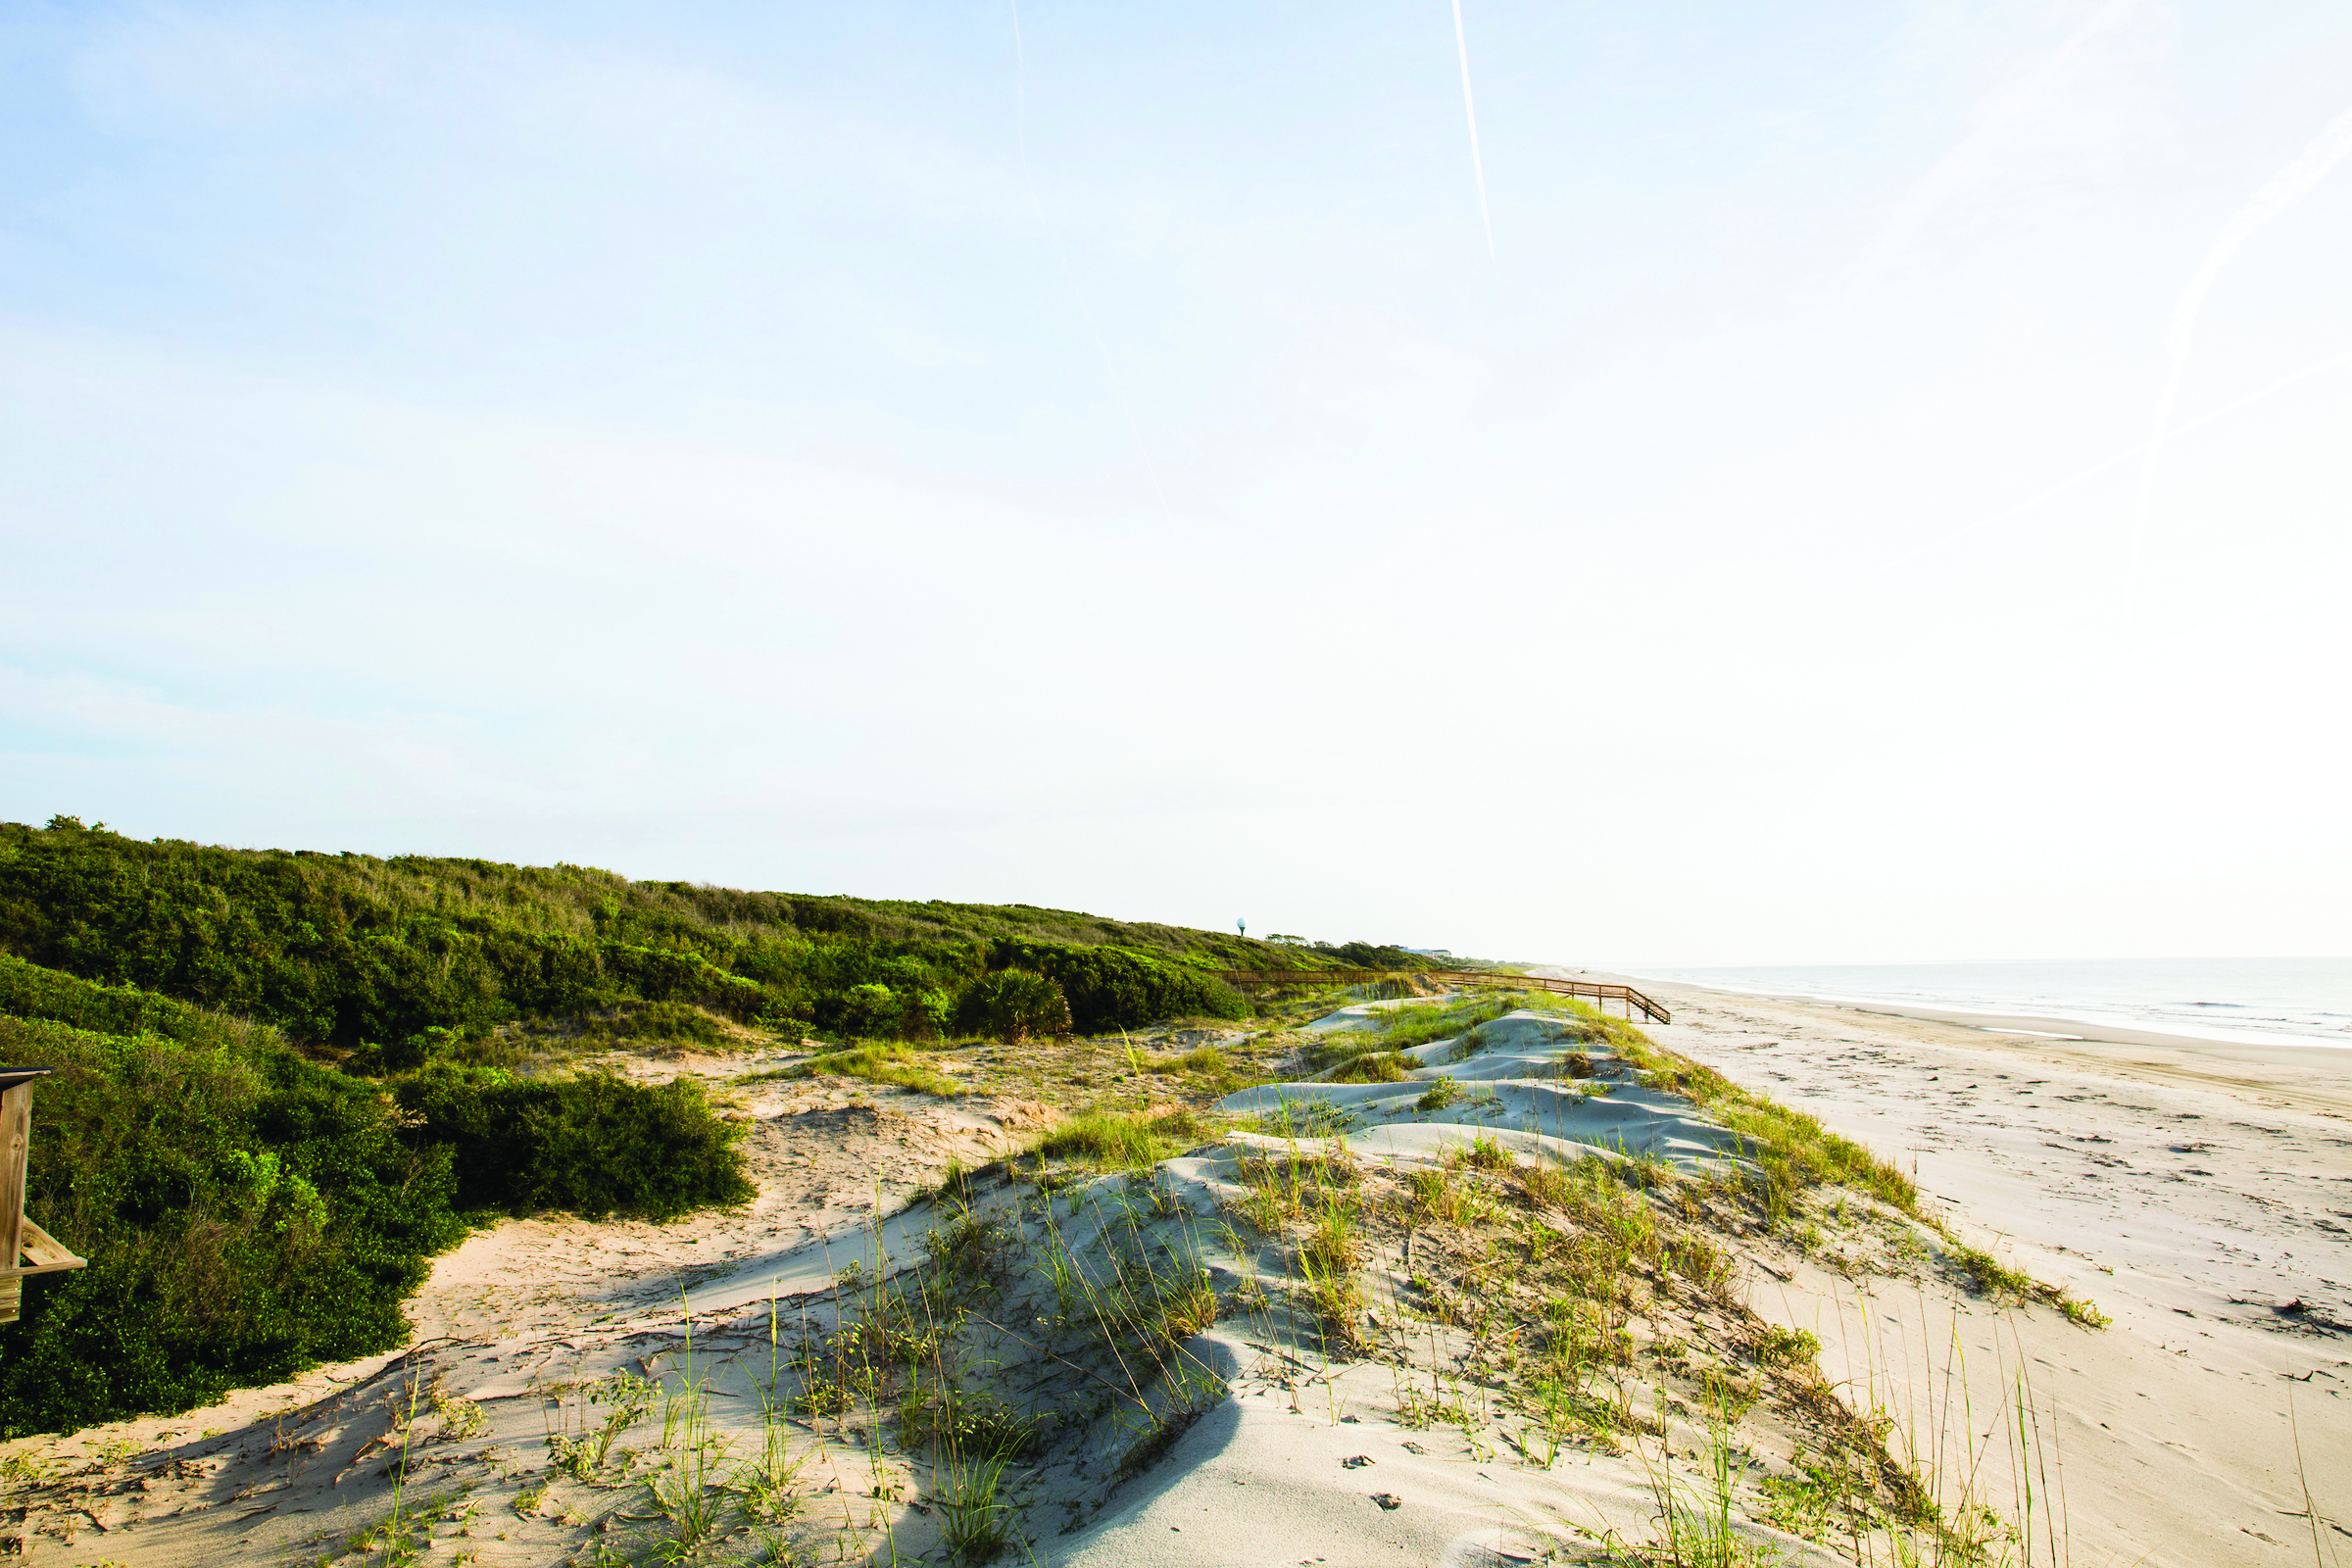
(2279, 193)
(1965, 163)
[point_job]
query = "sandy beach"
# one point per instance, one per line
(2201, 1192)
(2215, 1178)
(2198, 1199)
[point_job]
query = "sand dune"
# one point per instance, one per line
(1515, 1083)
(1381, 1424)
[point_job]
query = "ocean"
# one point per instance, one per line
(2244, 1000)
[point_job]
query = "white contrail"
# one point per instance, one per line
(1478, 165)
(2284, 188)
(2210, 417)
(1959, 167)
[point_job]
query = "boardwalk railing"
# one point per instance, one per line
(1596, 990)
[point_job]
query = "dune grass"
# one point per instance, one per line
(1793, 1151)
(1206, 1061)
(1789, 1151)
(1989, 1276)
(1208, 1068)
(1408, 1026)
(1108, 1141)
(1403, 1028)
(881, 1063)
(1525, 1283)
(1373, 1067)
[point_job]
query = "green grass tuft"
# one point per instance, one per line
(1987, 1275)
(1990, 1275)
(1112, 1142)
(1373, 1067)
(894, 1065)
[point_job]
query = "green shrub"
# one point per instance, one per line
(593, 1144)
(1117, 988)
(868, 1010)
(29, 991)
(1012, 1004)
(424, 1046)
(246, 1214)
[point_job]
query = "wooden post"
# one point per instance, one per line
(16, 1128)
(30, 1249)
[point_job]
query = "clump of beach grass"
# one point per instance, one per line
(884, 1062)
(1207, 1065)
(1372, 1067)
(1109, 1141)
(1989, 1276)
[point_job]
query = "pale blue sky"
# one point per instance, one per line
(692, 440)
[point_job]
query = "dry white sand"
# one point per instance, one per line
(2201, 1195)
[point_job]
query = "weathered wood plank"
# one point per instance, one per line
(16, 1140)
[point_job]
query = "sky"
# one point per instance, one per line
(1088, 456)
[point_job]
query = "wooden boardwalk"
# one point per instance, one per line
(1598, 991)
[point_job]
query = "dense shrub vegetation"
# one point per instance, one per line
(592, 1144)
(1113, 987)
(28, 991)
(355, 951)
(1012, 1004)
(247, 1211)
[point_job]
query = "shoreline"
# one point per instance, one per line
(2068, 1031)
(2071, 1031)
(2315, 1078)
(1994, 1016)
